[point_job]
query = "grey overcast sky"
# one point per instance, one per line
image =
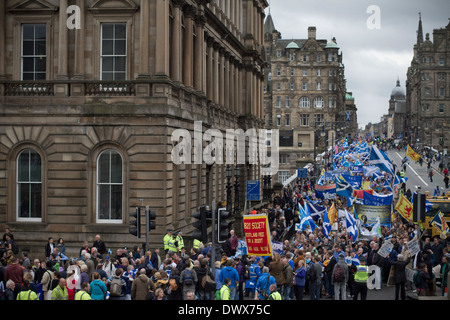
(373, 58)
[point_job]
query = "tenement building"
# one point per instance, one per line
(428, 90)
(90, 94)
(305, 97)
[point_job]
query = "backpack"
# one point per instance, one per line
(311, 274)
(338, 274)
(208, 283)
(14, 248)
(115, 288)
(188, 278)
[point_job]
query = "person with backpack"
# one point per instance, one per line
(420, 279)
(117, 286)
(263, 285)
(339, 278)
(188, 279)
(46, 281)
(314, 276)
(173, 291)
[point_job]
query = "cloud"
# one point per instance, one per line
(373, 58)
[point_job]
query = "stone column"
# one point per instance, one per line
(2, 39)
(63, 33)
(210, 69)
(162, 62)
(216, 73)
(176, 41)
(222, 77)
(199, 54)
(189, 13)
(226, 87)
(144, 71)
(79, 44)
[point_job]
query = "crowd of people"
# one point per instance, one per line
(332, 266)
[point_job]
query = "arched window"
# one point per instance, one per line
(304, 102)
(109, 186)
(29, 186)
(318, 102)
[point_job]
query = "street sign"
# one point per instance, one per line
(253, 191)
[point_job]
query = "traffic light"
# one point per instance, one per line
(151, 216)
(201, 228)
(222, 225)
(136, 230)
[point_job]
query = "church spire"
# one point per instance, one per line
(420, 31)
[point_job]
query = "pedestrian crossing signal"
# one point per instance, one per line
(136, 223)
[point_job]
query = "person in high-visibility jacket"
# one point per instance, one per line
(169, 242)
(196, 244)
(26, 293)
(361, 276)
(179, 241)
(274, 294)
(83, 294)
(60, 291)
(225, 292)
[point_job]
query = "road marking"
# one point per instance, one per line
(426, 184)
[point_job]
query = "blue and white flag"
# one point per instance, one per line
(306, 220)
(379, 159)
(343, 188)
(351, 225)
(378, 200)
(316, 211)
(326, 226)
(399, 180)
(355, 181)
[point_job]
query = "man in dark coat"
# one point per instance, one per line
(99, 244)
(399, 274)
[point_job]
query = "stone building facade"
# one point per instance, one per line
(305, 96)
(428, 90)
(87, 114)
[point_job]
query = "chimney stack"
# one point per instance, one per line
(311, 33)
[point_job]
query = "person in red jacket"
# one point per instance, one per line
(15, 272)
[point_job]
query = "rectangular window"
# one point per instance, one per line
(304, 120)
(288, 102)
(292, 57)
(304, 86)
(34, 51)
(292, 72)
(113, 51)
(278, 86)
(318, 120)
(278, 102)
(287, 120)
(441, 92)
(319, 72)
(441, 108)
(319, 86)
(283, 175)
(278, 120)
(278, 72)
(304, 72)
(304, 58)
(29, 186)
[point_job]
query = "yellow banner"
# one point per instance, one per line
(410, 153)
(332, 214)
(404, 207)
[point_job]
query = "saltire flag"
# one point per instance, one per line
(343, 188)
(439, 223)
(326, 226)
(379, 159)
(399, 180)
(352, 229)
(355, 261)
(306, 220)
(428, 204)
(316, 211)
(410, 153)
(404, 207)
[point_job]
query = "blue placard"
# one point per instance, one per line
(302, 173)
(253, 191)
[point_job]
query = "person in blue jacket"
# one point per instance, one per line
(254, 273)
(230, 272)
(98, 288)
(262, 291)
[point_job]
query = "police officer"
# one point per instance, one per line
(274, 294)
(169, 242)
(179, 241)
(361, 276)
(26, 293)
